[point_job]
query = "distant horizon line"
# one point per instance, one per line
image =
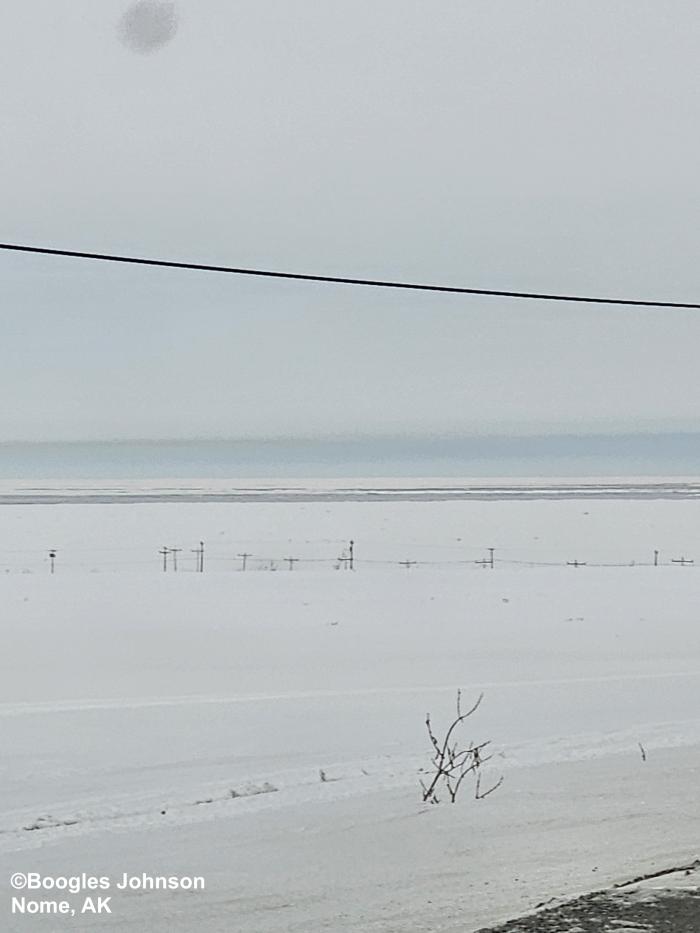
(446, 436)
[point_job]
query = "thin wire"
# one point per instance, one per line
(342, 280)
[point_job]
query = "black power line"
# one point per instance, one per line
(341, 280)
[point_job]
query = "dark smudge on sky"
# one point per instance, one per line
(148, 25)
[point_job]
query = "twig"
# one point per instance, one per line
(451, 763)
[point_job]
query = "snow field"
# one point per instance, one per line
(178, 723)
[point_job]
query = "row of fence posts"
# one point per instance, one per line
(683, 561)
(167, 552)
(346, 560)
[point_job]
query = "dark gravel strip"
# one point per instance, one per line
(615, 912)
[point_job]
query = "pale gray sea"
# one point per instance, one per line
(545, 456)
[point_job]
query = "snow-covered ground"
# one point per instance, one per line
(109, 537)
(178, 724)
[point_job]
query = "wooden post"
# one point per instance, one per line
(488, 561)
(244, 559)
(199, 553)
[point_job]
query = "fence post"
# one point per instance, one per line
(244, 559)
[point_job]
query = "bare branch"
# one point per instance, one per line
(451, 762)
(479, 794)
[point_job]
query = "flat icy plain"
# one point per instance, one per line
(178, 724)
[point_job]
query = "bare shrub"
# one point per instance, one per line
(452, 762)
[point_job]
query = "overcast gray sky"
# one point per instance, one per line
(525, 145)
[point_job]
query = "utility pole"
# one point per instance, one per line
(52, 559)
(488, 561)
(347, 558)
(164, 551)
(656, 558)
(244, 559)
(291, 561)
(175, 551)
(199, 552)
